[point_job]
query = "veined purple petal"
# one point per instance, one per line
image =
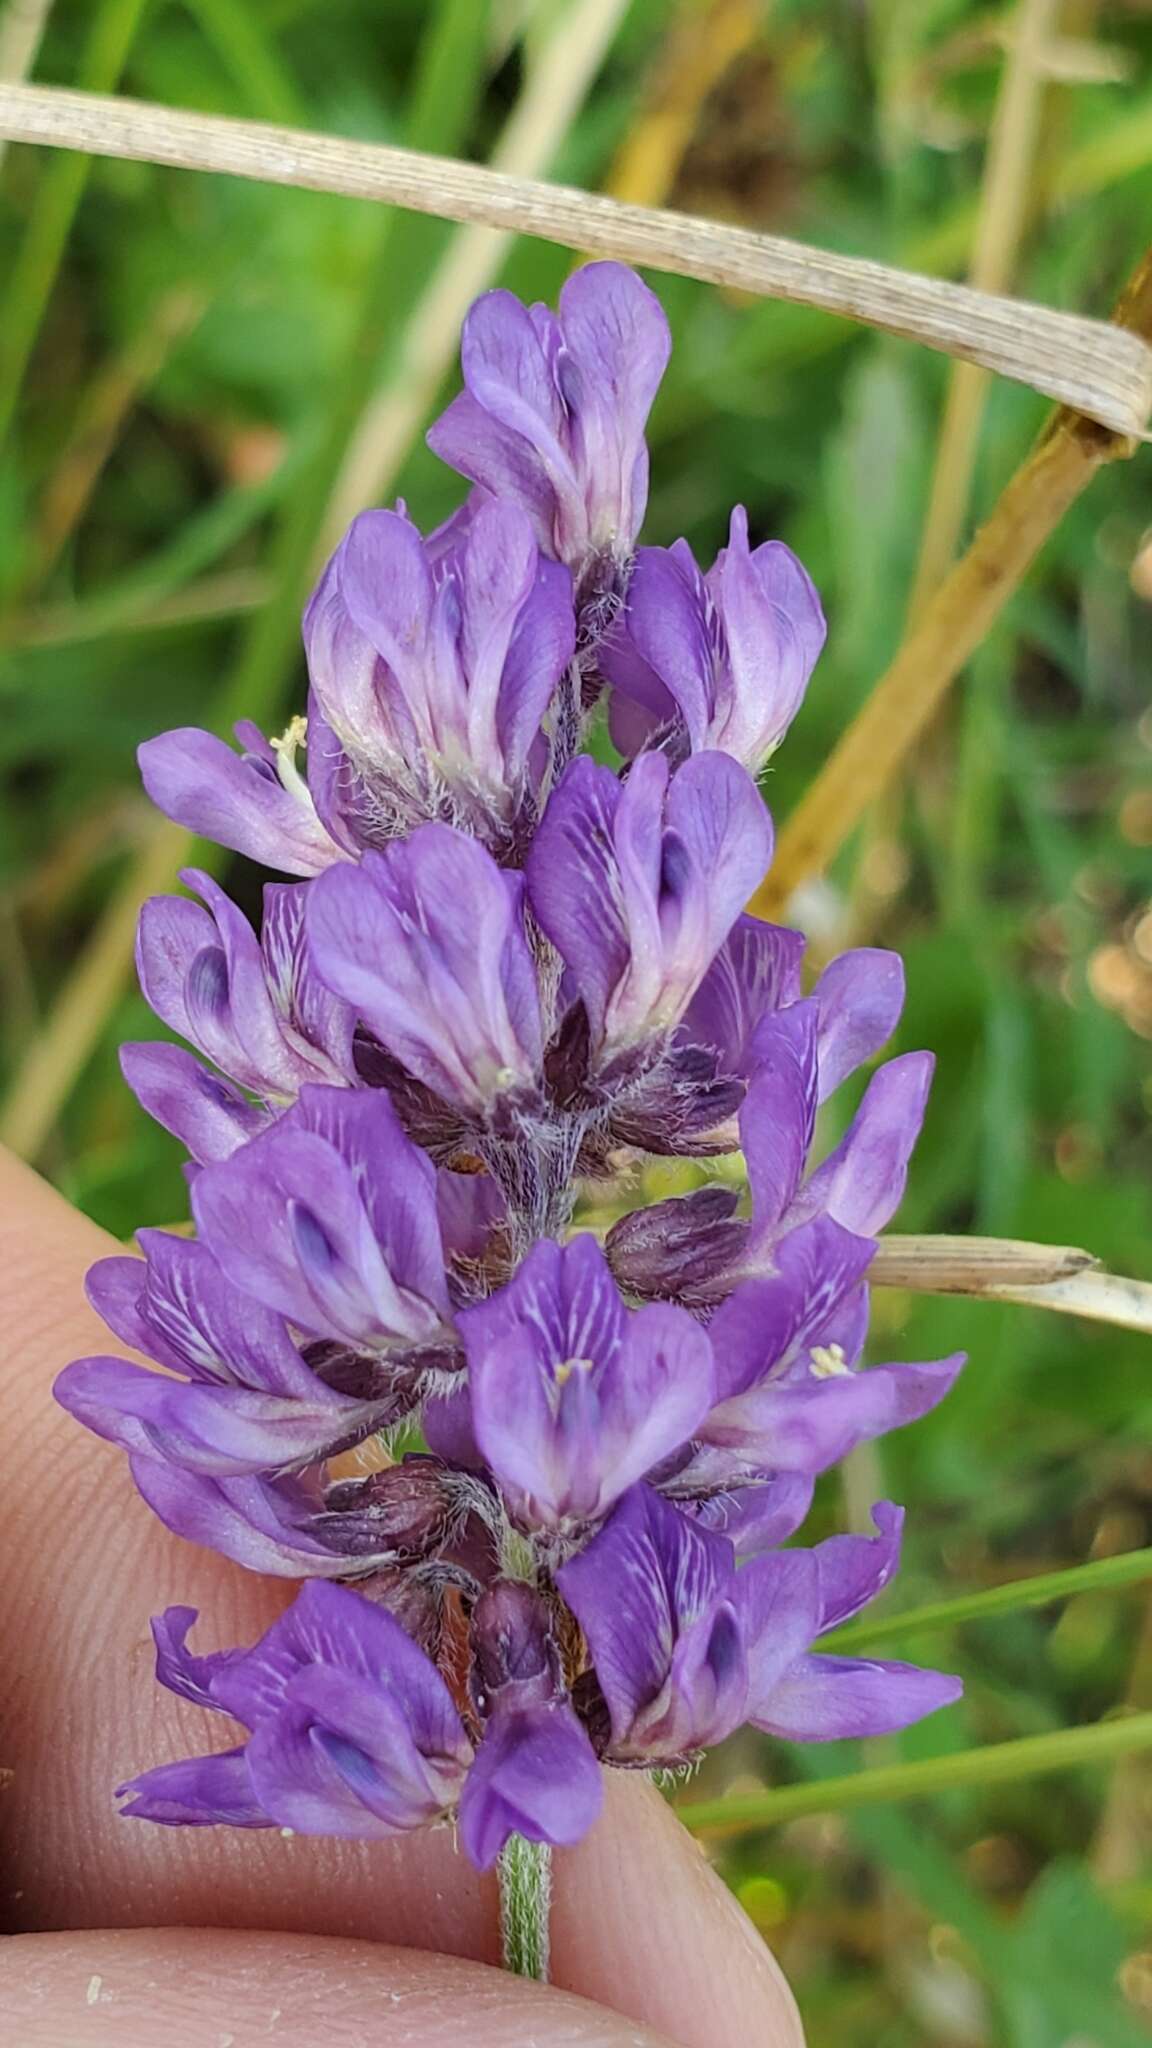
(828, 1699)
(778, 1115)
(755, 973)
(192, 1318)
(617, 344)
(535, 1774)
(767, 1322)
(773, 631)
(861, 1183)
(652, 1593)
(330, 1218)
(572, 884)
(239, 801)
(797, 1424)
(177, 1667)
(208, 1115)
(638, 885)
(477, 444)
(573, 1398)
(259, 1523)
(758, 1518)
(854, 1569)
(427, 943)
(340, 1756)
(777, 1601)
(201, 1792)
(207, 1429)
(858, 998)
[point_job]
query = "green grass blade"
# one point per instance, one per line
(444, 99)
(64, 178)
(1042, 1591)
(252, 60)
(1000, 1763)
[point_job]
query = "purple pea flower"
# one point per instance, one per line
(255, 802)
(574, 1397)
(790, 1397)
(693, 1246)
(554, 408)
(826, 1698)
(686, 1648)
(639, 883)
(353, 1730)
(433, 668)
(535, 1772)
(713, 661)
(245, 1399)
(255, 1008)
(426, 941)
(330, 1218)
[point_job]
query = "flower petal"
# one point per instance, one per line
(829, 1699)
(535, 1774)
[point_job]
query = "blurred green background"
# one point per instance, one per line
(185, 364)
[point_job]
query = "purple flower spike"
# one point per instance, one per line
(331, 1219)
(554, 407)
(503, 973)
(256, 1009)
(255, 802)
(434, 668)
(826, 1698)
(535, 1772)
(574, 1398)
(638, 884)
(353, 1731)
(725, 657)
(427, 943)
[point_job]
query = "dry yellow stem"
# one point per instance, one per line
(949, 629)
(973, 1265)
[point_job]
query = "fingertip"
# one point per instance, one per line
(133, 1989)
(643, 1923)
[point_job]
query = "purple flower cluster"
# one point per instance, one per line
(502, 973)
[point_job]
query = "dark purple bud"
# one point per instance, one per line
(408, 1510)
(677, 1247)
(515, 1657)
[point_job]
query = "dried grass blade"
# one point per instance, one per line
(1090, 366)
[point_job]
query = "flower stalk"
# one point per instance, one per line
(525, 1873)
